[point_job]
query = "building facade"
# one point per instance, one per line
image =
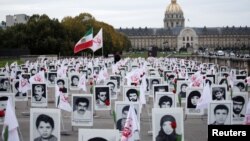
(175, 36)
(16, 19)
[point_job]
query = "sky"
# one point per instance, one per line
(136, 13)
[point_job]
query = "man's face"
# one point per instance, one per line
(102, 96)
(75, 81)
(82, 107)
(165, 104)
(219, 95)
(132, 97)
(52, 77)
(44, 129)
(112, 86)
(38, 92)
(60, 84)
(237, 107)
(221, 116)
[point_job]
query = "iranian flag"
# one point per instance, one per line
(85, 42)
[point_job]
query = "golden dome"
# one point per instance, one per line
(174, 7)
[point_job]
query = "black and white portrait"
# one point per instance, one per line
(96, 70)
(84, 72)
(220, 113)
(239, 86)
(62, 83)
(239, 100)
(210, 79)
(219, 93)
(102, 97)
(5, 85)
(165, 100)
(182, 89)
(3, 103)
(118, 79)
(74, 79)
(160, 88)
(82, 114)
(19, 96)
(45, 124)
(168, 124)
(52, 79)
(33, 71)
(121, 110)
(193, 96)
(154, 81)
(39, 95)
(223, 69)
(113, 88)
(131, 93)
(98, 135)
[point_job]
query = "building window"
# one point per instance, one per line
(187, 38)
(191, 38)
(183, 39)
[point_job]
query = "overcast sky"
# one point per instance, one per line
(136, 13)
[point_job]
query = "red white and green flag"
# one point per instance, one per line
(85, 42)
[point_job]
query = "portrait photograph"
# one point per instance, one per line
(165, 100)
(51, 79)
(193, 96)
(82, 114)
(159, 88)
(224, 69)
(166, 73)
(210, 78)
(167, 124)
(3, 103)
(121, 110)
(41, 119)
(154, 81)
(113, 88)
(74, 79)
(239, 100)
(19, 96)
(220, 113)
(39, 97)
(170, 79)
(219, 92)
(131, 93)
(63, 84)
(181, 89)
(102, 97)
(118, 79)
(98, 135)
(5, 85)
(96, 70)
(33, 71)
(239, 86)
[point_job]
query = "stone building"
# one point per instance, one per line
(175, 36)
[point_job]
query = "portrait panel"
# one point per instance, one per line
(39, 95)
(113, 88)
(211, 79)
(82, 114)
(131, 93)
(51, 79)
(219, 92)
(74, 79)
(165, 100)
(63, 84)
(160, 88)
(239, 100)
(167, 123)
(98, 135)
(5, 86)
(19, 96)
(45, 118)
(193, 96)
(239, 86)
(181, 89)
(3, 103)
(118, 79)
(220, 113)
(102, 97)
(154, 81)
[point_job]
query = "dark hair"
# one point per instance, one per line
(4, 79)
(155, 80)
(99, 89)
(162, 136)
(17, 85)
(220, 106)
(111, 83)
(83, 100)
(167, 118)
(209, 81)
(183, 84)
(222, 81)
(46, 119)
(126, 108)
(3, 98)
(239, 99)
(241, 84)
(192, 94)
(165, 99)
(97, 139)
(131, 91)
(74, 76)
(215, 90)
(60, 80)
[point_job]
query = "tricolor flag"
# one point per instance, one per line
(85, 42)
(10, 124)
(97, 41)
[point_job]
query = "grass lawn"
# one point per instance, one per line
(9, 60)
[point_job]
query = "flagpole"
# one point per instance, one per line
(102, 51)
(93, 54)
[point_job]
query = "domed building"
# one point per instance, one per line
(175, 36)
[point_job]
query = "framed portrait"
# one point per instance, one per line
(210, 78)
(167, 123)
(5, 86)
(45, 118)
(82, 114)
(84, 72)
(154, 81)
(102, 97)
(74, 79)
(96, 70)
(63, 84)
(239, 86)
(193, 96)
(19, 96)
(165, 100)
(51, 79)
(159, 88)
(219, 92)
(131, 93)
(33, 71)
(220, 113)
(224, 69)
(170, 79)
(243, 72)
(239, 100)
(121, 110)
(98, 135)
(3, 103)
(113, 88)
(181, 89)
(118, 79)
(39, 95)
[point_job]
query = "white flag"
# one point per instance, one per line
(131, 125)
(205, 98)
(24, 85)
(39, 77)
(97, 41)
(143, 88)
(10, 121)
(82, 83)
(62, 100)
